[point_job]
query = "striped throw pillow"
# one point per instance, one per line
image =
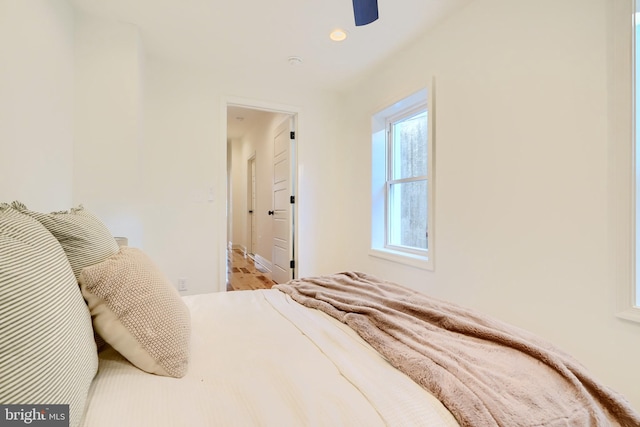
(47, 351)
(84, 238)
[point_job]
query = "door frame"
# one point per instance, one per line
(251, 186)
(223, 187)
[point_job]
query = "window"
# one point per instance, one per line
(402, 219)
(406, 186)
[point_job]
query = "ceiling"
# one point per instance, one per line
(240, 120)
(246, 37)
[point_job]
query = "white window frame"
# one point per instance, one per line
(623, 220)
(380, 247)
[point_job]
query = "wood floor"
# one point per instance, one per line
(243, 273)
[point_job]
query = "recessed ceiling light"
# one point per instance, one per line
(294, 60)
(338, 35)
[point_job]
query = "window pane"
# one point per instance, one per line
(409, 150)
(408, 214)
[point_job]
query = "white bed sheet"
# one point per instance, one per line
(260, 359)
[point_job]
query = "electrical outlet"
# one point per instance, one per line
(182, 284)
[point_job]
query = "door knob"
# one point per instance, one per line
(270, 212)
(251, 211)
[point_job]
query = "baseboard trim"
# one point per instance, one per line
(237, 246)
(263, 262)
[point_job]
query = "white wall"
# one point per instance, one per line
(521, 173)
(185, 173)
(36, 103)
(107, 172)
(169, 198)
(178, 161)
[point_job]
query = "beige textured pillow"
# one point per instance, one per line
(138, 312)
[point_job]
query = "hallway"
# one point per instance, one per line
(243, 273)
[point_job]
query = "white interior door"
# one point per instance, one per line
(283, 202)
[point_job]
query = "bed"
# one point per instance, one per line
(98, 327)
(259, 358)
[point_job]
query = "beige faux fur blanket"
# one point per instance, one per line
(487, 373)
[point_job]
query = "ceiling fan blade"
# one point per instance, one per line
(365, 11)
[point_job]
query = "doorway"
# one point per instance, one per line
(253, 226)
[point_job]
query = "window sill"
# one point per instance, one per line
(632, 314)
(418, 261)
